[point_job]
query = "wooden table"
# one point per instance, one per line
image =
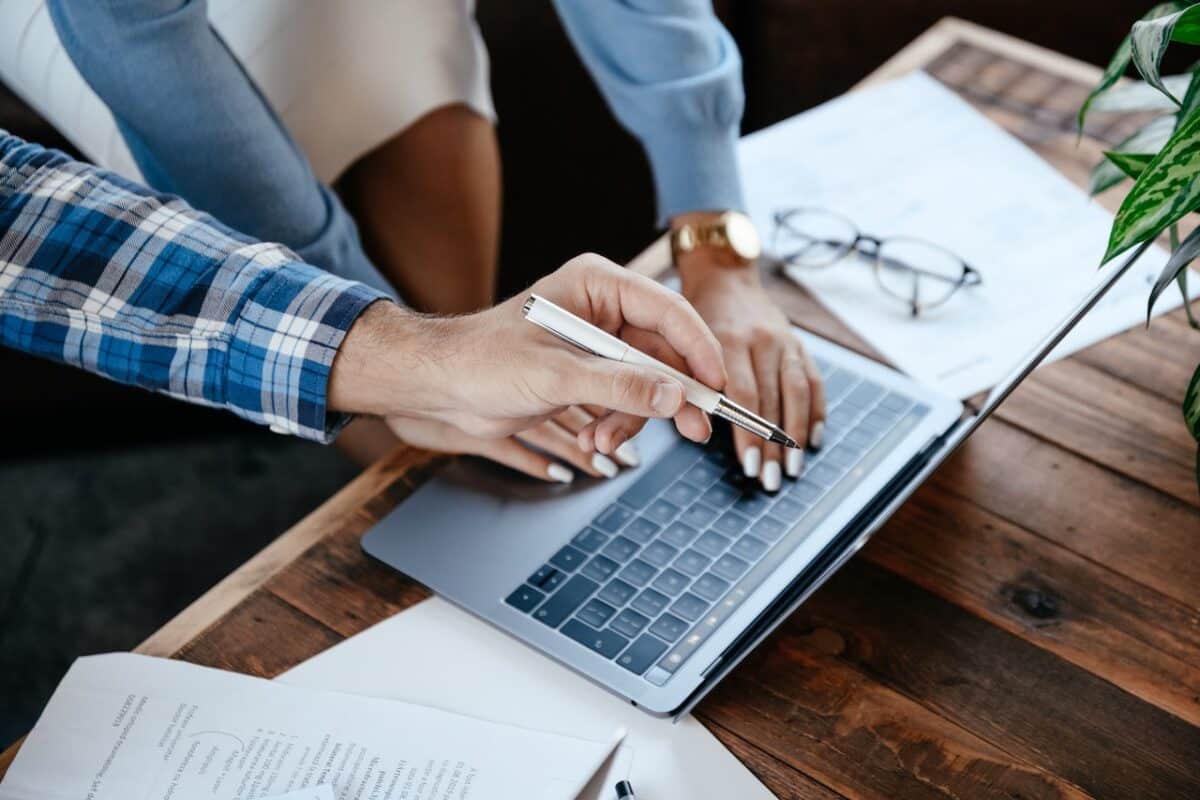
(1027, 626)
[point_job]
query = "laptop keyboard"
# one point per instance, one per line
(655, 573)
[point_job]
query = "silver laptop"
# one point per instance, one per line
(655, 584)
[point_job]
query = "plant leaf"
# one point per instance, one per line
(1166, 190)
(1141, 96)
(1183, 254)
(1148, 139)
(1150, 38)
(1181, 281)
(1191, 405)
(1120, 61)
(1132, 164)
(1191, 98)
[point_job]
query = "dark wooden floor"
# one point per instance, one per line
(1028, 625)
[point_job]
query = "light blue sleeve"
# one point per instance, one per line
(672, 75)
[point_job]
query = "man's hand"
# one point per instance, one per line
(493, 374)
(769, 371)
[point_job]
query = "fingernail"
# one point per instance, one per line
(558, 472)
(751, 461)
(794, 462)
(771, 478)
(604, 465)
(668, 396)
(628, 454)
(816, 436)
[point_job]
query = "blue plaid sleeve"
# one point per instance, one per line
(103, 274)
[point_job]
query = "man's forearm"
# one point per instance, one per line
(108, 276)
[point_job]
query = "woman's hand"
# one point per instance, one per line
(492, 374)
(769, 370)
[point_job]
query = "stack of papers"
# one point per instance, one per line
(910, 158)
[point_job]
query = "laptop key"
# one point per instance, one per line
(710, 587)
(844, 456)
(658, 477)
(629, 623)
(642, 653)
(749, 548)
(612, 518)
(590, 540)
(668, 627)
(638, 572)
(805, 491)
(712, 544)
(689, 607)
(699, 515)
(547, 578)
(605, 643)
(525, 598)
(681, 494)
(864, 394)
(564, 602)
(650, 602)
(661, 511)
(671, 582)
(788, 509)
(596, 613)
(731, 524)
(692, 563)
(679, 535)
(752, 504)
(641, 530)
(600, 568)
(703, 475)
(876, 422)
(659, 553)
(617, 593)
(837, 384)
(769, 529)
(621, 549)
(569, 558)
(825, 475)
(861, 438)
(730, 567)
(721, 495)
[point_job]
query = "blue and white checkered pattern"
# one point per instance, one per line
(109, 276)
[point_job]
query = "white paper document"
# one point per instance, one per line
(437, 655)
(129, 727)
(910, 158)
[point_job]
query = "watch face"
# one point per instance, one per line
(742, 236)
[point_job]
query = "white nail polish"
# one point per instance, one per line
(628, 454)
(816, 437)
(751, 461)
(771, 476)
(794, 461)
(604, 465)
(558, 472)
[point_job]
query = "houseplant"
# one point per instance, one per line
(1162, 158)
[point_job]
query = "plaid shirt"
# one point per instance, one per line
(101, 273)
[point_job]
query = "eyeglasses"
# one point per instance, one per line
(918, 273)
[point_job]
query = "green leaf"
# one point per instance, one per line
(1191, 405)
(1191, 99)
(1183, 254)
(1120, 61)
(1181, 281)
(1148, 139)
(1132, 164)
(1150, 38)
(1141, 96)
(1167, 189)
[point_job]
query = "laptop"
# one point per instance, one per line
(655, 584)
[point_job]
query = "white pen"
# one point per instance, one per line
(588, 337)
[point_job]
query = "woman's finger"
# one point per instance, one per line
(766, 357)
(816, 408)
(742, 389)
(558, 441)
(511, 453)
(797, 405)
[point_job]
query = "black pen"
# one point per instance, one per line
(625, 791)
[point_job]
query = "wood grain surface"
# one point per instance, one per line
(1028, 625)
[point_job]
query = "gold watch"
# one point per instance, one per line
(732, 232)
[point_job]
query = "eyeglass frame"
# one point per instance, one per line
(969, 277)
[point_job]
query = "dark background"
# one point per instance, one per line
(118, 507)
